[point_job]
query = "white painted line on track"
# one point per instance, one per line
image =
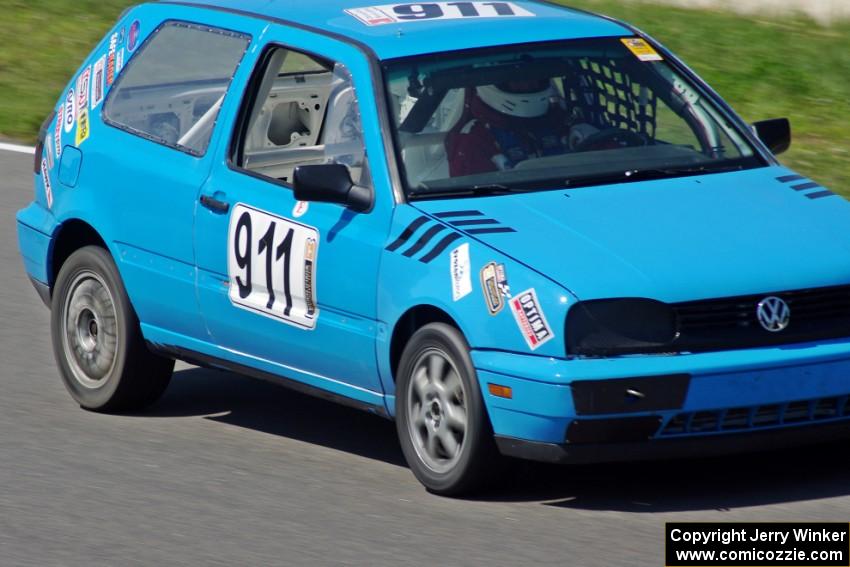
(17, 149)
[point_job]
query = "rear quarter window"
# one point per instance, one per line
(173, 88)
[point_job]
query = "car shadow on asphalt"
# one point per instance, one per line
(239, 401)
(665, 486)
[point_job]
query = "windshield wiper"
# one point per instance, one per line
(661, 172)
(475, 190)
(621, 176)
(631, 175)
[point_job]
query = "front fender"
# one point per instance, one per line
(524, 315)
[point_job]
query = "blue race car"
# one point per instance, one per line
(512, 227)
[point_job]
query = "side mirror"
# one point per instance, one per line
(330, 183)
(776, 134)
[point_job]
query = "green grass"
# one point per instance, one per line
(764, 68)
(42, 43)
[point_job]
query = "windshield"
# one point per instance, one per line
(548, 116)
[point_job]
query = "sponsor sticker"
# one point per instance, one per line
(460, 272)
(641, 49)
(83, 88)
(530, 319)
(48, 189)
(98, 82)
(405, 13)
(310, 247)
(300, 209)
(110, 59)
(83, 127)
(57, 134)
(372, 16)
(133, 36)
(119, 61)
(494, 283)
(48, 147)
(70, 111)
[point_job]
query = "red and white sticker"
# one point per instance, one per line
(529, 316)
(429, 11)
(57, 134)
(110, 61)
(300, 209)
(48, 189)
(83, 88)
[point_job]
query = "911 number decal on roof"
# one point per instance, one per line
(401, 13)
(271, 264)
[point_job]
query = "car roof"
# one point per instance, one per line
(550, 22)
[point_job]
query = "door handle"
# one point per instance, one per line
(214, 204)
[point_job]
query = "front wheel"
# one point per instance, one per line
(440, 415)
(97, 341)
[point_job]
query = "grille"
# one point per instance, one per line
(816, 314)
(758, 417)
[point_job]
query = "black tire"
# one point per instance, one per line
(427, 403)
(98, 344)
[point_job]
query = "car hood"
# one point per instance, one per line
(681, 239)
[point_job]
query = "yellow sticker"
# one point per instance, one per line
(641, 49)
(82, 127)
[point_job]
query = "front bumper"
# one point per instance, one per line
(647, 407)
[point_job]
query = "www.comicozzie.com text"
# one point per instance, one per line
(783, 536)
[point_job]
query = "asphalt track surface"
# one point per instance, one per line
(228, 471)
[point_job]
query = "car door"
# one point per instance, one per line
(288, 286)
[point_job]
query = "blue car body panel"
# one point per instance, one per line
(673, 240)
(391, 41)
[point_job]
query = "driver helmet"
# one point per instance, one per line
(521, 98)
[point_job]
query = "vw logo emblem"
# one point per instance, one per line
(774, 314)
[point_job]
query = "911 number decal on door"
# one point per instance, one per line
(271, 263)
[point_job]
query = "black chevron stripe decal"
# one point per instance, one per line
(473, 222)
(440, 247)
(454, 214)
(820, 194)
(424, 240)
(407, 233)
(807, 185)
(430, 231)
(494, 230)
(478, 221)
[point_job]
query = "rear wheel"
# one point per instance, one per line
(440, 415)
(97, 342)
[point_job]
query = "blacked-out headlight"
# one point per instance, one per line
(608, 327)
